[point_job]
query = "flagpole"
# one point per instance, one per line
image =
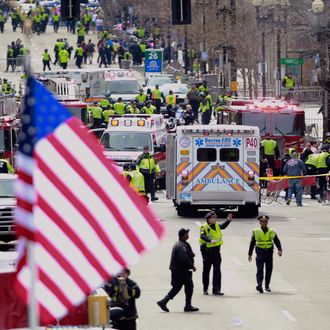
(33, 310)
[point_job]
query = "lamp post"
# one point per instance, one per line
(323, 37)
(257, 4)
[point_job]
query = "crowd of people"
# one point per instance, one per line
(314, 160)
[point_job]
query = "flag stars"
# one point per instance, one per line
(32, 131)
(27, 148)
(30, 101)
(26, 119)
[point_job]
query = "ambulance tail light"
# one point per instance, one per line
(251, 177)
(185, 176)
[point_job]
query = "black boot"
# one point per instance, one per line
(162, 303)
(190, 308)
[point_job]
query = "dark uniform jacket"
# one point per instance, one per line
(182, 258)
(119, 299)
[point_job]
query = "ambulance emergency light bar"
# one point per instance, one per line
(228, 131)
(113, 74)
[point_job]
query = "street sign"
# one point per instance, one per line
(234, 86)
(153, 61)
(292, 61)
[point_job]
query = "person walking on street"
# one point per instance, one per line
(63, 57)
(295, 167)
(323, 167)
(269, 151)
(263, 239)
(210, 243)
(5, 166)
(148, 167)
(181, 266)
(46, 60)
(123, 292)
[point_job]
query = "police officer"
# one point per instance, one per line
(148, 167)
(119, 107)
(141, 98)
(123, 292)
(263, 239)
(181, 266)
(205, 109)
(6, 88)
(327, 139)
(203, 88)
(323, 167)
(137, 181)
(5, 166)
(311, 169)
(148, 109)
(46, 60)
(157, 96)
(210, 243)
(269, 150)
(96, 114)
(125, 171)
(63, 57)
(79, 54)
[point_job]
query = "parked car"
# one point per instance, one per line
(158, 79)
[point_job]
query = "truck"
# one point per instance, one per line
(124, 138)
(213, 167)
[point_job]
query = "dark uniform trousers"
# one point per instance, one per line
(125, 324)
(311, 170)
(264, 258)
(271, 161)
(149, 183)
(182, 278)
(211, 259)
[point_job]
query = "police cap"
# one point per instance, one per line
(183, 232)
(132, 166)
(126, 166)
(145, 147)
(263, 218)
(210, 215)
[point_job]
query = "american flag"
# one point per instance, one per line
(86, 222)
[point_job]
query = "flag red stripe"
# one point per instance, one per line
(24, 232)
(24, 205)
(46, 316)
(65, 264)
(111, 206)
(73, 123)
(55, 289)
(80, 207)
(27, 178)
(72, 236)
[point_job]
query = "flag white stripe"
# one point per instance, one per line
(25, 191)
(75, 220)
(54, 271)
(86, 196)
(89, 161)
(46, 225)
(25, 163)
(44, 295)
(24, 218)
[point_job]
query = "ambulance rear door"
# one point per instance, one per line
(218, 165)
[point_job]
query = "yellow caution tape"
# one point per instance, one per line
(269, 178)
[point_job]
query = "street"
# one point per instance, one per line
(300, 285)
(300, 297)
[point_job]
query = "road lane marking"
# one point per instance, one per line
(325, 238)
(237, 321)
(288, 315)
(237, 262)
(197, 223)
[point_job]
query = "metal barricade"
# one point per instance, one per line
(15, 64)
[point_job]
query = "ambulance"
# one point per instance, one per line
(124, 138)
(214, 167)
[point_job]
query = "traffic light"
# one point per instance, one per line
(181, 12)
(70, 9)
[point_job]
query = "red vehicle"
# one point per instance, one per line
(285, 122)
(9, 126)
(78, 109)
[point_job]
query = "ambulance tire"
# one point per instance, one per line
(248, 211)
(185, 211)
